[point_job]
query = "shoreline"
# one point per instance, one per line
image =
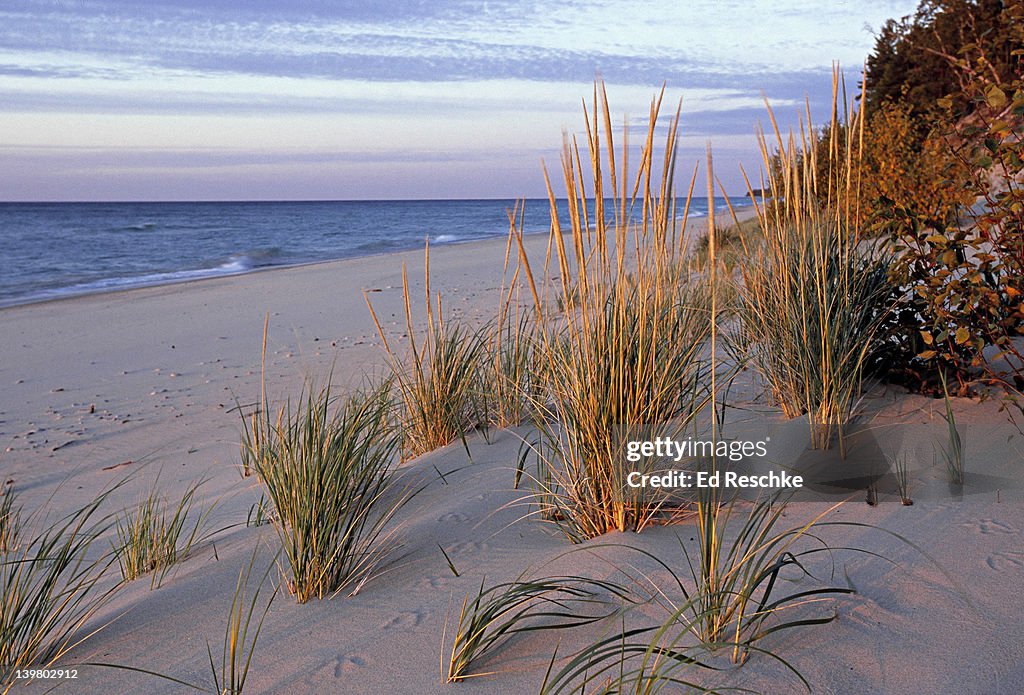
(284, 268)
(744, 211)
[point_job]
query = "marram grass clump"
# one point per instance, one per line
(814, 295)
(622, 344)
(52, 587)
(325, 465)
(438, 380)
(748, 577)
(156, 534)
(498, 613)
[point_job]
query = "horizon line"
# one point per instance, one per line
(320, 200)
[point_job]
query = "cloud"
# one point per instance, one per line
(691, 46)
(287, 79)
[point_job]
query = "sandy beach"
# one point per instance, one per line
(147, 383)
(511, 349)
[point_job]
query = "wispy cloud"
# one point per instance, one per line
(688, 44)
(295, 76)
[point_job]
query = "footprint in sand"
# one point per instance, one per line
(348, 664)
(991, 526)
(405, 619)
(433, 582)
(466, 547)
(1013, 560)
(453, 518)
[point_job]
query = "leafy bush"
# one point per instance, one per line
(957, 299)
(900, 164)
(964, 279)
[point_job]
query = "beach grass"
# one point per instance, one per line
(156, 534)
(900, 470)
(512, 380)
(52, 587)
(258, 514)
(625, 348)
(325, 467)
(737, 571)
(814, 294)
(641, 661)
(727, 597)
(241, 632)
(438, 378)
(10, 521)
(497, 613)
(952, 450)
(735, 244)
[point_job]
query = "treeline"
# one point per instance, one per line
(943, 51)
(943, 110)
(941, 176)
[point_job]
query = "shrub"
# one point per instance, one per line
(898, 164)
(962, 283)
(960, 71)
(991, 144)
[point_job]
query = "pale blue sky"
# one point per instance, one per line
(314, 99)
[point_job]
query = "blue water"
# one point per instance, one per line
(53, 250)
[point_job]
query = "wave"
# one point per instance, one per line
(140, 227)
(380, 246)
(235, 264)
(445, 238)
(232, 266)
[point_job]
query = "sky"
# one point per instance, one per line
(391, 99)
